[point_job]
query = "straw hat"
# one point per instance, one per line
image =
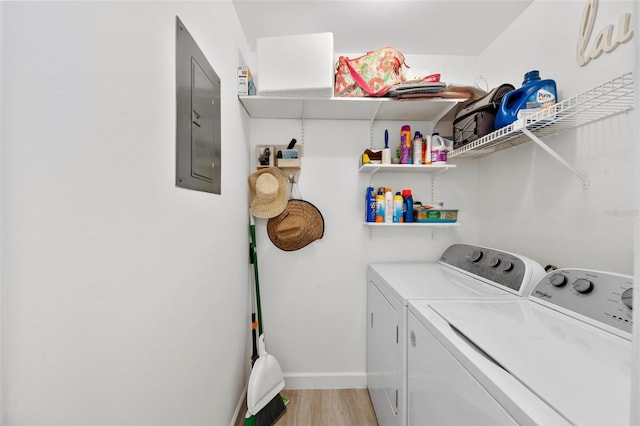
(298, 225)
(269, 190)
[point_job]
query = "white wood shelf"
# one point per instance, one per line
(337, 108)
(405, 168)
(412, 224)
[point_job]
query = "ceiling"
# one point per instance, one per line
(415, 27)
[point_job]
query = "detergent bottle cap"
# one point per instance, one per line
(406, 192)
(531, 76)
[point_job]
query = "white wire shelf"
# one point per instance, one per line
(609, 98)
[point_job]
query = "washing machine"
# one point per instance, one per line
(560, 355)
(463, 272)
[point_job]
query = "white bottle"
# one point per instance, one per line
(438, 149)
(426, 150)
(417, 148)
(388, 206)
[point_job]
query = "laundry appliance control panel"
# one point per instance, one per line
(603, 299)
(508, 271)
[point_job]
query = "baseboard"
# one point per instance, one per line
(348, 380)
(241, 408)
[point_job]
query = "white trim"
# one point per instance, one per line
(346, 380)
(635, 360)
(239, 407)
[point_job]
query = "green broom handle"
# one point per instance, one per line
(254, 260)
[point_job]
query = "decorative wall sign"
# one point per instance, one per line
(605, 41)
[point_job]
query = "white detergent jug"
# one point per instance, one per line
(439, 149)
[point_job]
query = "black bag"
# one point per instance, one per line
(476, 119)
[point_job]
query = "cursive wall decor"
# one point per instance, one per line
(604, 41)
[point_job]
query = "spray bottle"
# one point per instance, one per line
(370, 205)
(380, 207)
(388, 206)
(398, 201)
(405, 144)
(417, 148)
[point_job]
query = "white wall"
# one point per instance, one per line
(314, 299)
(124, 298)
(635, 378)
(519, 200)
(529, 201)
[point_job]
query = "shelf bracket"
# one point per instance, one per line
(371, 121)
(373, 173)
(302, 124)
(583, 178)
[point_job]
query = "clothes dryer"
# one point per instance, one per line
(561, 355)
(463, 272)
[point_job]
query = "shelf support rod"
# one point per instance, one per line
(583, 178)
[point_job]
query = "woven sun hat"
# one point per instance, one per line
(298, 225)
(269, 191)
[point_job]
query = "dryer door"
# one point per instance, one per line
(441, 391)
(383, 356)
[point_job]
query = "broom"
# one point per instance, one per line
(264, 402)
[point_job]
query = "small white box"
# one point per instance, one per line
(296, 65)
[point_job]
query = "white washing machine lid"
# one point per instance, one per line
(430, 280)
(581, 371)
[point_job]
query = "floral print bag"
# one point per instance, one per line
(372, 74)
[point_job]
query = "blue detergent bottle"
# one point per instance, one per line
(535, 93)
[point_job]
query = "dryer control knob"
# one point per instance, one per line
(476, 256)
(558, 280)
(627, 298)
(494, 262)
(507, 266)
(583, 286)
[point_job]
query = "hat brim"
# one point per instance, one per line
(266, 210)
(306, 215)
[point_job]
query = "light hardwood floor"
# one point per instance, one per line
(328, 407)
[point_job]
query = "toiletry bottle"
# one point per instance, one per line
(407, 204)
(388, 206)
(426, 150)
(405, 144)
(417, 148)
(370, 205)
(397, 208)
(380, 207)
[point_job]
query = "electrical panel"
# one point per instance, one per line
(198, 153)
